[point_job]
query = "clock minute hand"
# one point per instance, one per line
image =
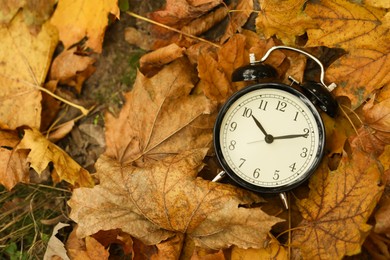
(259, 126)
(290, 136)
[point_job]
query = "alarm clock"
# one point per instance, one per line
(269, 137)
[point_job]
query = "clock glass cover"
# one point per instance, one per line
(269, 137)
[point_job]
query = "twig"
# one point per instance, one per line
(171, 28)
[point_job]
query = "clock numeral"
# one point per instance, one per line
(256, 173)
(276, 175)
(306, 131)
(247, 112)
(242, 162)
(292, 167)
(296, 116)
(263, 105)
(232, 145)
(304, 152)
(281, 106)
(233, 126)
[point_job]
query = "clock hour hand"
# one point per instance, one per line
(259, 125)
(291, 136)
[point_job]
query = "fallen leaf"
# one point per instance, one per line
(85, 249)
(238, 18)
(287, 20)
(139, 38)
(8, 10)
(76, 19)
(272, 250)
(160, 117)
(359, 73)
(179, 12)
(56, 247)
(378, 3)
(160, 57)
(68, 66)
(116, 236)
(338, 207)
(155, 202)
(13, 164)
(30, 57)
(42, 152)
(347, 25)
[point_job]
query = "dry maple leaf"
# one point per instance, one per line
(24, 62)
(42, 152)
(155, 202)
(13, 164)
(286, 20)
(338, 207)
(160, 117)
(76, 19)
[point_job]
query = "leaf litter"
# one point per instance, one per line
(149, 197)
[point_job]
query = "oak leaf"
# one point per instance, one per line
(24, 63)
(286, 20)
(338, 207)
(76, 19)
(42, 152)
(163, 198)
(160, 117)
(13, 164)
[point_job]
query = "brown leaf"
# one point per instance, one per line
(85, 249)
(160, 57)
(24, 62)
(56, 247)
(179, 12)
(13, 164)
(238, 19)
(42, 152)
(8, 10)
(338, 207)
(160, 117)
(155, 202)
(286, 20)
(76, 19)
(67, 67)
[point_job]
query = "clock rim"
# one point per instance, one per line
(217, 129)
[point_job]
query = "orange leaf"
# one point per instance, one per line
(42, 152)
(160, 117)
(13, 164)
(161, 199)
(285, 20)
(76, 19)
(338, 207)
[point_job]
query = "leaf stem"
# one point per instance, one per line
(171, 28)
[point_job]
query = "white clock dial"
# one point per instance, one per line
(270, 138)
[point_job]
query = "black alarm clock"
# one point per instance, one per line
(269, 137)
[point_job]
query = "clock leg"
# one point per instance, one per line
(219, 176)
(283, 198)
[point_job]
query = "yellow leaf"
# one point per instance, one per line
(338, 207)
(42, 152)
(347, 25)
(76, 19)
(163, 198)
(284, 19)
(24, 63)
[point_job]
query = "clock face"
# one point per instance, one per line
(269, 137)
